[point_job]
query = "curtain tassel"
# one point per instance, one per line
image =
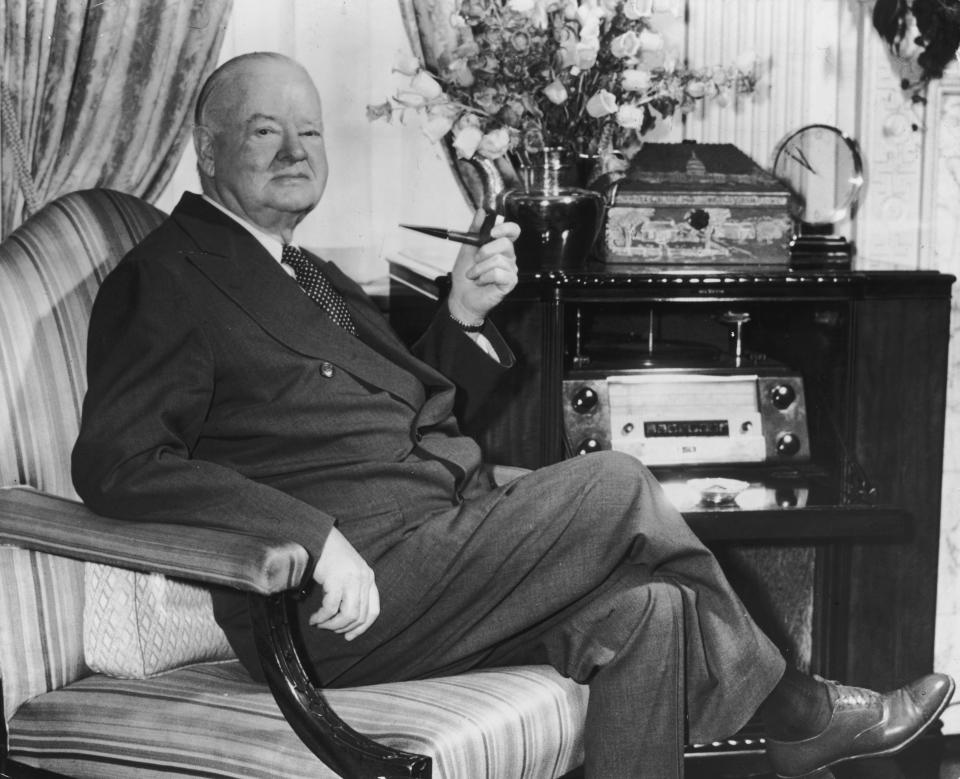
(8, 119)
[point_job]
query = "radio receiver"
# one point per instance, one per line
(676, 407)
(689, 416)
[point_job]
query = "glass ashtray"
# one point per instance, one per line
(717, 491)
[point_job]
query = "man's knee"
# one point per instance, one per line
(635, 619)
(613, 482)
(613, 469)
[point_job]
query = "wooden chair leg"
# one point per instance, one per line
(344, 750)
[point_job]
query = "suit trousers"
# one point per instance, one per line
(584, 565)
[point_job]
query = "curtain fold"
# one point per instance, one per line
(99, 94)
(429, 29)
(432, 35)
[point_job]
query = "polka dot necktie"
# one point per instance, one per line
(318, 287)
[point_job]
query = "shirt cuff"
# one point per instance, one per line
(484, 343)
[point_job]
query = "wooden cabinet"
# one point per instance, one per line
(858, 559)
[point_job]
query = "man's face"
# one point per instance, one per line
(262, 150)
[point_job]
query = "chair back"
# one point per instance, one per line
(50, 269)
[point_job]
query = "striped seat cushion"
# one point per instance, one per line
(505, 723)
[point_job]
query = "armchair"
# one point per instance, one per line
(110, 662)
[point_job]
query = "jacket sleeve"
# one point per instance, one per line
(151, 374)
(446, 347)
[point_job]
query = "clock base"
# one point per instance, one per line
(820, 252)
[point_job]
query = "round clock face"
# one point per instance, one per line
(824, 171)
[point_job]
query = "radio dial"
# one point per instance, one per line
(788, 444)
(588, 446)
(585, 400)
(782, 396)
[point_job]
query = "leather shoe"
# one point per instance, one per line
(864, 724)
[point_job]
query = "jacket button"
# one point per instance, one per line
(459, 497)
(418, 437)
(326, 369)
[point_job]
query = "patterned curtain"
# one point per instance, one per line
(98, 93)
(432, 35)
(428, 27)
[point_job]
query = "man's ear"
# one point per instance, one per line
(203, 143)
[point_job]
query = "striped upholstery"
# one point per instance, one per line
(50, 269)
(41, 639)
(514, 723)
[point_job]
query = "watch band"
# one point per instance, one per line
(467, 328)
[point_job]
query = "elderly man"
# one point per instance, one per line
(235, 380)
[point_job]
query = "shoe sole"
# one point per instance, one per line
(815, 773)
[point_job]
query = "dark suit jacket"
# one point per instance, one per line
(219, 394)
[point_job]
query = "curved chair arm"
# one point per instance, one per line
(59, 526)
(349, 753)
(270, 571)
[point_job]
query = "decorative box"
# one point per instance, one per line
(697, 204)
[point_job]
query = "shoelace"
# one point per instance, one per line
(852, 697)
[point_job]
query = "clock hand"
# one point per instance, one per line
(796, 153)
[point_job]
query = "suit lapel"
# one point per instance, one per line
(234, 261)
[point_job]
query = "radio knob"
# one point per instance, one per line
(788, 444)
(585, 400)
(782, 395)
(588, 446)
(786, 498)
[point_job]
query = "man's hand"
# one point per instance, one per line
(483, 276)
(351, 601)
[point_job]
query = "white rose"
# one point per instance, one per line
(410, 99)
(437, 125)
(426, 86)
(586, 54)
(556, 92)
(609, 8)
(590, 18)
(601, 104)
(406, 64)
(460, 73)
(625, 45)
(466, 140)
(696, 89)
(630, 117)
(522, 6)
(636, 80)
(494, 144)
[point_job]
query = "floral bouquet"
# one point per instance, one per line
(588, 76)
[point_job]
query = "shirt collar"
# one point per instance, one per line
(269, 242)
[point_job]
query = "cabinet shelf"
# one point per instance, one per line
(857, 551)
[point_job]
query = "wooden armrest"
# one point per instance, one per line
(47, 523)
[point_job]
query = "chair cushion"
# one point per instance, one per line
(508, 722)
(138, 625)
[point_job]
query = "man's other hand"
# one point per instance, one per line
(351, 601)
(483, 276)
